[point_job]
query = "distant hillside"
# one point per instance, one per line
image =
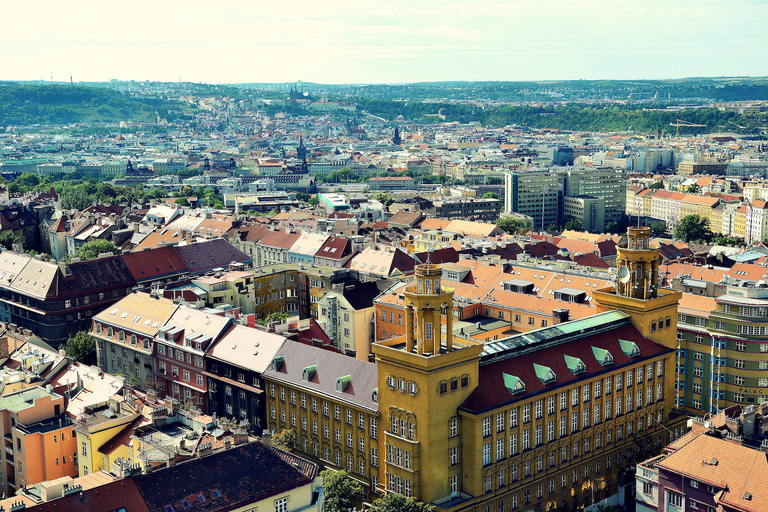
(64, 104)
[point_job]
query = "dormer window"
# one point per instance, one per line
(121, 336)
(603, 356)
(513, 383)
(98, 328)
(575, 364)
(630, 348)
(375, 396)
(545, 374)
(308, 372)
(277, 362)
(342, 383)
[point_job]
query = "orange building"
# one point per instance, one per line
(38, 438)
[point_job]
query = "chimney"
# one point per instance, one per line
(560, 315)
(748, 421)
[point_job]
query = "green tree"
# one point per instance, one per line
(272, 317)
(314, 201)
(384, 198)
(399, 503)
(8, 238)
(82, 348)
(658, 228)
(182, 201)
(513, 225)
(693, 228)
(285, 440)
(573, 224)
(91, 250)
(341, 491)
(612, 227)
(28, 179)
(490, 195)
(656, 186)
(75, 198)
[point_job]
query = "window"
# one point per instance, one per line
(281, 504)
(739, 363)
(512, 444)
(486, 427)
(500, 422)
(486, 454)
(675, 500)
(526, 439)
(539, 409)
(499, 448)
(563, 400)
(526, 413)
(453, 427)
(513, 417)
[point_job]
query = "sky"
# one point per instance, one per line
(347, 41)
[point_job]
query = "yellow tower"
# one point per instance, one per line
(653, 310)
(423, 378)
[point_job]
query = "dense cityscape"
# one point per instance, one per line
(459, 296)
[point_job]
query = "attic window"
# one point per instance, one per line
(277, 362)
(309, 372)
(342, 383)
(185, 503)
(544, 373)
(575, 364)
(216, 493)
(168, 508)
(375, 396)
(603, 356)
(630, 348)
(513, 384)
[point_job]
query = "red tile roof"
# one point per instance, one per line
(491, 391)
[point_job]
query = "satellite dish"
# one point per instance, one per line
(623, 274)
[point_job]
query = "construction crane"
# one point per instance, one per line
(679, 122)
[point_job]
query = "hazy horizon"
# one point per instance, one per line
(345, 42)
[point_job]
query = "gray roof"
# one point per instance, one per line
(329, 367)
(570, 291)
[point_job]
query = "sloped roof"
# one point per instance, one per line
(153, 263)
(244, 474)
(738, 470)
(204, 256)
(106, 498)
(492, 392)
(247, 347)
(330, 367)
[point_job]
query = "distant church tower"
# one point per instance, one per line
(423, 378)
(396, 140)
(653, 310)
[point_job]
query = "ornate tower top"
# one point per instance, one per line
(638, 265)
(427, 300)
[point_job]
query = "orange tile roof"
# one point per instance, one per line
(737, 470)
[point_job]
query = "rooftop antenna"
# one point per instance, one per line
(70, 80)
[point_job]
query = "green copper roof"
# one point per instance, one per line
(309, 372)
(341, 382)
(629, 348)
(603, 356)
(514, 384)
(544, 373)
(278, 362)
(574, 364)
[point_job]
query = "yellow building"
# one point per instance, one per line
(544, 420)
(98, 430)
(233, 288)
(346, 316)
(331, 402)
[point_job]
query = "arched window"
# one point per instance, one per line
(121, 336)
(110, 332)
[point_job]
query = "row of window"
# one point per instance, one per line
(582, 394)
(577, 447)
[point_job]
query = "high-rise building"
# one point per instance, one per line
(536, 193)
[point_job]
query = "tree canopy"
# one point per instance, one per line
(91, 250)
(693, 228)
(513, 225)
(341, 491)
(490, 195)
(285, 440)
(82, 348)
(398, 503)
